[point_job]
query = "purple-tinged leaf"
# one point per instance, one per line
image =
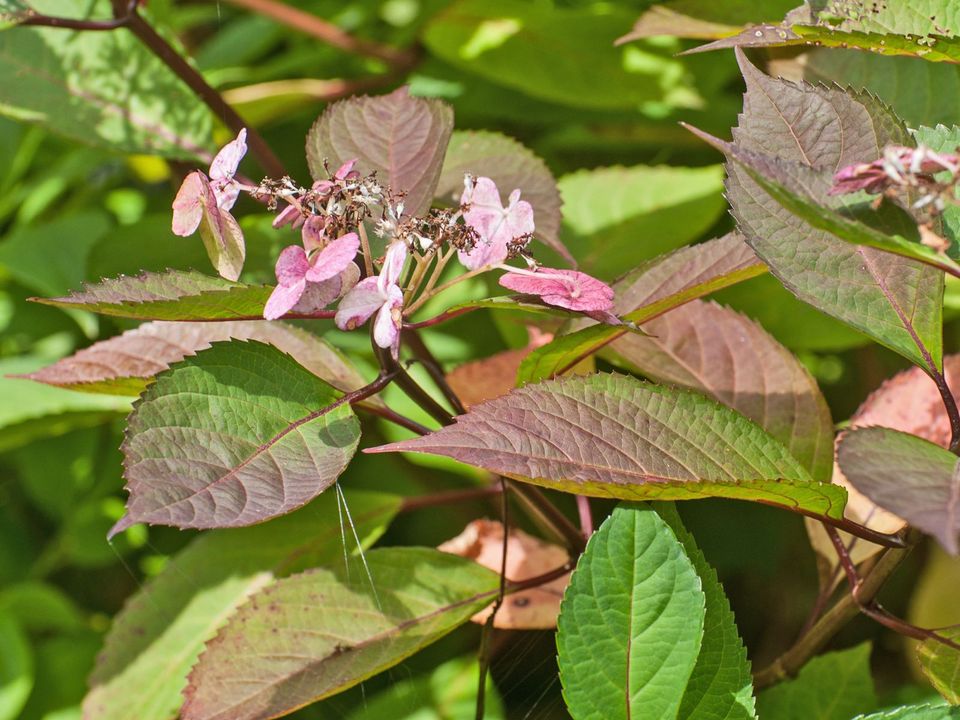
(941, 664)
(908, 476)
(895, 300)
(510, 165)
(170, 295)
(125, 364)
(704, 19)
(157, 637)
(647, 292)
(312, 635)
(233, 436)
(403, 138)
(614, 436)
(730, 358)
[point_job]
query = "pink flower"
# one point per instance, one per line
(205, 203)
(291, 215)
(568, 289)
(319, 277)
(379, 295)
(496, 226)
(894, 168)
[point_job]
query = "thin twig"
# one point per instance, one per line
(441, 318)
(449, 497)
(484, 652)
(394, 417)
(586, 515)
(950, 404)
(432, 366)
(409, 386)
(326, 31)
(895, 540)
(540, 506)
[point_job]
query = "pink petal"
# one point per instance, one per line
(226, 192)
(290, 215)
(484, 253)
(222, 238)
(359, 304)
(334, 258)
(316, 296)
(345, 170)
(386, 328)
(188, 206)
(564, 288)
(292, 266)
(225, 164)
(862, 176)
(485, 212)
(519, 220)
(282, 299)
(393, 262)
(312, 232)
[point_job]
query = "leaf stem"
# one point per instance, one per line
(441, 318)
(327, 32)
(895, 540)
(394, 417)
(449, 497)
(365, 250)
(485, 653)
(950, 404)
(432, 366)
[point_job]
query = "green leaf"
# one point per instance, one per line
(907, 475)
(941, 664)
(510, 165)
(449, 692)
(833, 686)
(16, 668)
(30, 411)
(728, 357)
(704, 18)
(73, 83)
(647, 292)
(895, 300)
(631, 621)
(125, 364)
(614, 436)
(171, 295)
(616, 217)
(232, 436)
(720, 686)
(159, 634)
(915, 712)
(561, 54)
(315, 634)
(402, 138)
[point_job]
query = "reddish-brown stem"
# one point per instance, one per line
(848, 526)
(586, 515)
(449, 497)
(537, 581)
(432, 366)
(441, 318)
(539, 505)
(39, 19)
(485, 652)
(326, 31)
(953, 413)
(394, 417)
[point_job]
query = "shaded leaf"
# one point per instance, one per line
(527, 557)
(157, 637)
(616, 217)
(631, 622)
(311, 635)
(126, 363)
(614, 436)
(647, 292)
(915, 712)
(908, 476)
(555, 54)
(170, 295)
(16, 668)
(448, 692)
(510, 164)
(720, 686)
(895, 300)
(57, 78)
(832, 686)
(941, 664)
(402, 138)
(233, 436)
(730, 358)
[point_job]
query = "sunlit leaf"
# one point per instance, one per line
(159, 634)
(171, 295)
(75, 84)
(941, 664)
(616, 217)
(908, 476)
(125, 364)
(720, 685)
(915, 712)
(232, 436)
(402, 138)
(833, 686)
(561, 54)
(510, 165)
(614, 436)
(312, 635)
(647, 292)
(631, 622)
(730, 358)
(895, 300)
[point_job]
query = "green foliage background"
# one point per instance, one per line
(83, 196)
